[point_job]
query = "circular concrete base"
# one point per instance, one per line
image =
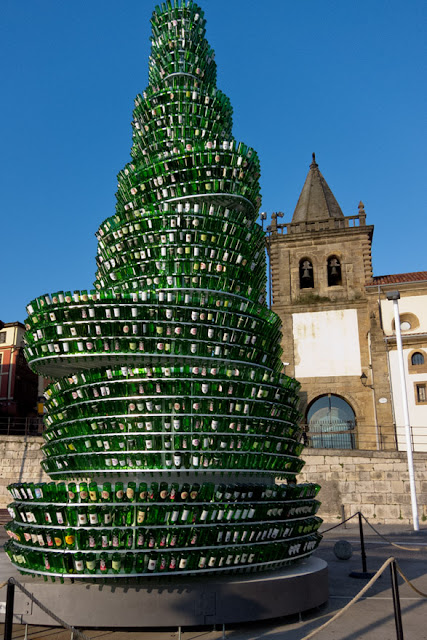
(179, 602)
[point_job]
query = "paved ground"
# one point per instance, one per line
(369, 619)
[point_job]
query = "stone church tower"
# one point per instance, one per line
(333, 342)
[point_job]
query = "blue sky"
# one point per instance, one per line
(344, 79)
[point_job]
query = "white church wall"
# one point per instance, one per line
(326, 343)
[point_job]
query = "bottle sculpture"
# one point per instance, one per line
(168, 415)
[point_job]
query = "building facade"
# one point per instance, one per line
(412, 306)
(338, 336)
(18, 384)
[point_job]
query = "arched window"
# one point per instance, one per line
(306, 276)
(334, 272)
(331, 422)
(417, 358)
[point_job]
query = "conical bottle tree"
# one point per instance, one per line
(169, 416)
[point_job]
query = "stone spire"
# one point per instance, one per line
(316, 201)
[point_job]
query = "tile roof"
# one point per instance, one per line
(416, 276)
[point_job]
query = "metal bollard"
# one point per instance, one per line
(364, 573)
(396, 601)
(8, 618)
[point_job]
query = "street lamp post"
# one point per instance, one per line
(394, 296)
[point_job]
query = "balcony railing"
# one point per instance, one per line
(11, 426)
(341, 436)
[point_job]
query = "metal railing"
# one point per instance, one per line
(12, 426)
(341, 436)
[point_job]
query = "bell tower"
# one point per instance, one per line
(328, 254)
(320, 264)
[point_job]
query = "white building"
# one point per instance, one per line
(413, 322)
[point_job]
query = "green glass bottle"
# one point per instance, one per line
(173, 513)
(39, 491)
(163, 563)
(119, 493)
(93, 540)
(70, 539)
(49, 514)
(106, 494)
(184, 492)
(72, 515)
(105, 539)
(128, 563)
(82, 516)
(142, 492)
(106, 516)
(73, 494)
(129, 515)
(116, 563)
(185, 514)
(140, 538)
(30, 491)
(153, 492)
(139, 563)
(119, 516)
(93, 492)
(152, 562)
(104, 563)
(163, 491)
(174, 492)
(59, 515)
(81, 539)
(183, 561)
(90, 563)
(79, 564)
(93, 516)
(128, 539)
(131, 491)
(116, 538)
(58, 538)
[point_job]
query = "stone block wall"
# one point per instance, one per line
(20, 458)
(373, 482)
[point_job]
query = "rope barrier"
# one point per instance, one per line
(340, 523)
(50, 613)
(394, 544)
(408, 582)
(355, 599)
(374, 578)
